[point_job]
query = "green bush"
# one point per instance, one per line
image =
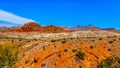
(43, 65)
(119, 60)
(53, 40)
(107, 63)
(80, 54)
(43, 47)
(59, 55)
(91, 47)
(65, 50)
(64, 41)
(74, 50)
(111, 42)
(100, 38)
(8, 56)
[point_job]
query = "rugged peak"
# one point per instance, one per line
(31, 24)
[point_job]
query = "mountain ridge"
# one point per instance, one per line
(34, 27)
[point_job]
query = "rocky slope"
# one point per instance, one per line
(68, 53)
(35, 46)
(81, 49)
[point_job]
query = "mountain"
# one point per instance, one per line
(67, 29)
(31, 26)
(52, 28)
(89, 27)
(15, 28)
(111, 30)
(34, 27)
(77, 28)
(4, 29)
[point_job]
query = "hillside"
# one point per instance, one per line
(82, 52)
(35, 46)
(81, 49)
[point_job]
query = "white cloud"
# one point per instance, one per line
(12, 18)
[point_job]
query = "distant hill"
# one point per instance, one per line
(34, 27)
(4, 29)
(89, 27)
(28, 27)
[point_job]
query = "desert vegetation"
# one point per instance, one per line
(8, 56)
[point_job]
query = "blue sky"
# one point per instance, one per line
(102, 13)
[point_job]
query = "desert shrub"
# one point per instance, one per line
(114, 39)
(100, 38)
(35, 39)
(63, 41)
(20, 39)
(12, 40)
(53, 40)
(31, 62)
(109, 49)
(59, 55)
(26, 61)
(118, 60)
(28, 40)
(71, 38)
(119, 38)
(36, 44)
(80, 54)
(43, 65)
(111, 42)
(91, 47)
(8, 56)
(65, 50)
(106, 63)
(74, 50)
(43, 47)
